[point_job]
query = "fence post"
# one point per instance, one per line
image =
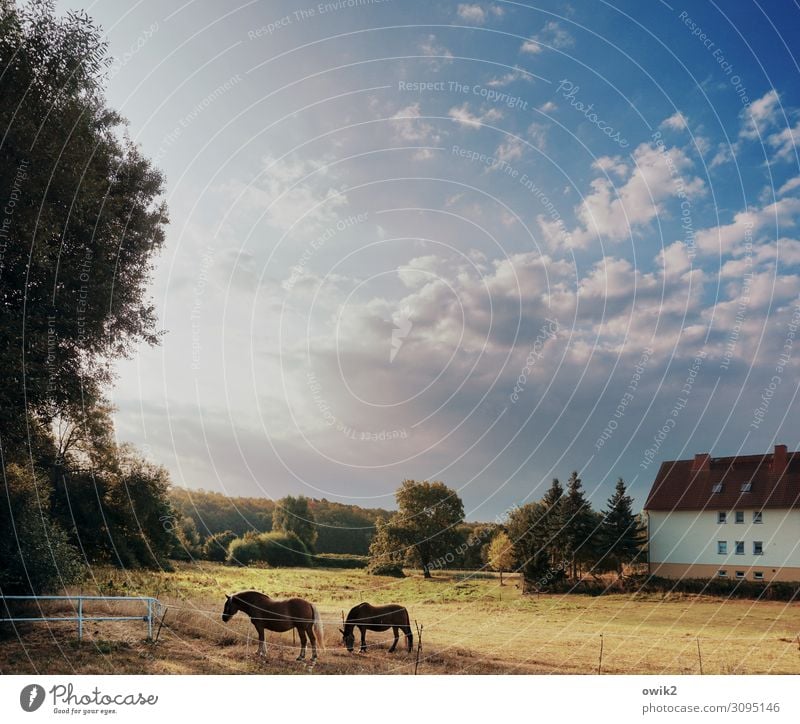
(600, 663)
(699, 656)
(419, 645)
(149, 619)
(80, 618)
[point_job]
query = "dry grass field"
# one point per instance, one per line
(471, 625)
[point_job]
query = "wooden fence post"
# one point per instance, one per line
(699, 656)
(160, 624)
(600, 662)
(419, 645)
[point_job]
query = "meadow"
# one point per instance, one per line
(470, 625)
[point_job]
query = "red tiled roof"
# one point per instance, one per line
(689, 484)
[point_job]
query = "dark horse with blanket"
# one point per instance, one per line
(367, 617)
(280, 616)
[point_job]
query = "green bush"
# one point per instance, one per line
(245, 550)
(386, 568)
(216, 546)
(275, 549)
(283, 549)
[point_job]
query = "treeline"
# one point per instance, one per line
(557, 538)
(340, 528)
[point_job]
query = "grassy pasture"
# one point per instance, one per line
(471, 625)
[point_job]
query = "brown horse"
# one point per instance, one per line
(367, 617)
(280, 616)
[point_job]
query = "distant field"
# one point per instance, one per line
(471, 625)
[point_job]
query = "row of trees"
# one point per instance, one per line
(561, 536)
(337, 528)
(557, 537)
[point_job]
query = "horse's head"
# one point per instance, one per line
(348, 638)
(231, 607)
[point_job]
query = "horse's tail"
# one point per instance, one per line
(319, 632)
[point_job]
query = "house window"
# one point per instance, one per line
(716, 488)
(739, 516)
(722, 517)
(758, 548)
(747, 487)
(758, 575)
(740, 574)
(739, 547)
(757, 516)
(722, 574)
(722, 547)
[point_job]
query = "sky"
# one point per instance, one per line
(484, 243)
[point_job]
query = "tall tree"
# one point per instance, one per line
(386, 551)
(579, 525)
(553, 522)
(501, 554)
(622, 533)
(294, 515)
(530, 539)
(83, 219)
(427, 519)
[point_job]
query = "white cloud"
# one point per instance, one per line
(478, 14)
(512, 76)
(785, 143)
(462, 114)
(760, 116)
(790, 185)
(537, 132)
(611, 164)
(292, 191)
(552, 34)
(410, 126)
(438, 53)
(676, 122)
(731, 238)
(613, 212)
(510, 150)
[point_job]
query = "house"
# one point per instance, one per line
(734, 517)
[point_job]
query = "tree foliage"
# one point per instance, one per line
(275, 549)
(622, 533)
(500, 554)
(35, 551)
(85, 219)
(425, 528)
(294, 515)
(561, 537)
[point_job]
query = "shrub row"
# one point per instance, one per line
(274, 549)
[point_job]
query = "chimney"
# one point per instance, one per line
(702, 461)
(779, 460)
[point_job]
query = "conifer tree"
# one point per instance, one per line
(622, 533)
(578, 525)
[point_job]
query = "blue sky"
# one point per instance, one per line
(487, 243)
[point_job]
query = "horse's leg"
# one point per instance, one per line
(302, 632)
(363, 639)
(262, 647)
(396, 639)
(313, 639)
(409, 637)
